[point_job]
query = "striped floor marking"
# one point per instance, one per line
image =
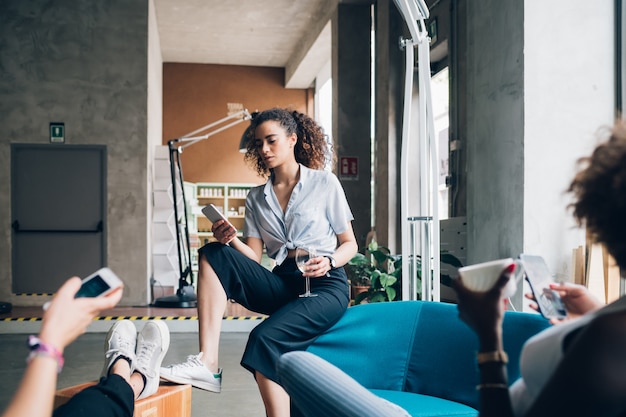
(140, 318)
(34, 294)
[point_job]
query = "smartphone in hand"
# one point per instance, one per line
(98, 284)
(212, 213)
(538, 276)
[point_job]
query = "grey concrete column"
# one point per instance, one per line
(495, 129)
(352, 116)
(389, 84)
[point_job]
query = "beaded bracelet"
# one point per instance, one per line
(40, 349)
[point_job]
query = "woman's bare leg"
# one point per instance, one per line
(211, 306)
(275, 398)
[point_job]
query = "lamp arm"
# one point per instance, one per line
(243, 113)
(191, 140)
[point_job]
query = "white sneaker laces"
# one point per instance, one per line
(143, 364)
(123, 348)
(191, 362)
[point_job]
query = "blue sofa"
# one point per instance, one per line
(417, 354)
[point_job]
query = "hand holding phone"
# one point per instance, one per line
(212, 213)
(98, 284)
(538, 276)
(225, 232)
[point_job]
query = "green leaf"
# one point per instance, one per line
(362, 296)
(387, 280)
(359, 259)
(378, 297)
(450, 259)
(380, 257)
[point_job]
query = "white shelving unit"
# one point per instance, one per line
(230, 199)
(164, 249)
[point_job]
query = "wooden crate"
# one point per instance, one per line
(170, 400)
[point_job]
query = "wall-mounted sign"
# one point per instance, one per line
(57, 132)
(432, 31)
(349, 167)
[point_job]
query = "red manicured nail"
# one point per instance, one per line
(510, 268)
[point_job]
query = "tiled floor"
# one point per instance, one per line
(239, 397)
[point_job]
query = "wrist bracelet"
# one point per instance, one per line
(488, 385)
(495, 356)
(40, 349)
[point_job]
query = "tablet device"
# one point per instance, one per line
(212, 213)
(539, 278)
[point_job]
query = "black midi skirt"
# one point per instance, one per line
(294, 322)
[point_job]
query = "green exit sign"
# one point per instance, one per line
(57, 132)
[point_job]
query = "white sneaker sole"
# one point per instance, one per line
(207, 386)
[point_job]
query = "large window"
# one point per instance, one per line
(441, 106)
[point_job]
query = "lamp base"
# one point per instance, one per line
(185, 297)
(5, 307)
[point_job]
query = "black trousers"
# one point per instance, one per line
(293, 322)
(111, 397)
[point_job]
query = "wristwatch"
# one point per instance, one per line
(333, 263)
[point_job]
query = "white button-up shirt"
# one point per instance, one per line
(316, 213)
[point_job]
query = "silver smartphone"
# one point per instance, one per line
(539, 278)
(212, 213)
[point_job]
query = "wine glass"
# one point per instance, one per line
(303, 255)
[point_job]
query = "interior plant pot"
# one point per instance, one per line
(357, 289)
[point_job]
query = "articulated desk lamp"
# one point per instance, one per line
(414, 12)
(185, 296)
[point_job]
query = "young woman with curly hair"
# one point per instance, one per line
(301, 204)
(578, 367)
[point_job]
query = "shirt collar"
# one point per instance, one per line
(305, 174)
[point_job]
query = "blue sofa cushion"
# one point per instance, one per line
(372, 343)
(418, 347)
(443, 357)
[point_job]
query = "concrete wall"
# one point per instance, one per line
(155, 119)
(495, 129)
(351, 63)
(389, 87)
(85, 64)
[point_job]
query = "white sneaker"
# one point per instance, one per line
(120, 341)
(195, 373)
(152, 344)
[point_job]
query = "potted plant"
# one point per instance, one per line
(358, 274)
(377, 275)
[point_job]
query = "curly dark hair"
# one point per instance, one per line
(312, 149)
(600, 193)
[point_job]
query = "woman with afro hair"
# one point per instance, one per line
(578, 367)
